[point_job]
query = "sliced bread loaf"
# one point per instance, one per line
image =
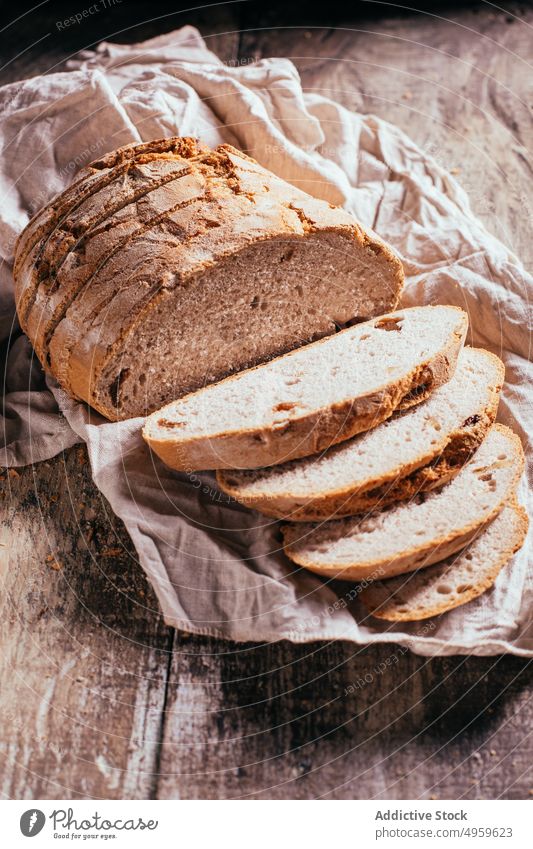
(419, 532)
(388, 463)
(170, 265)
(454, 581)
(313, 397)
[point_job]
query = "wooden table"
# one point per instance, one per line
(99, 698)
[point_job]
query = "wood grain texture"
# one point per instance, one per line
(335, 721)
(98, 697)
(84, 652)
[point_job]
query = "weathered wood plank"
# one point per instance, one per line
(339, 722)
(83, 649)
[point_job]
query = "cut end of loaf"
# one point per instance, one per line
(310, 399)
(269, 298)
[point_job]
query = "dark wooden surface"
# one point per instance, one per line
(98, 697)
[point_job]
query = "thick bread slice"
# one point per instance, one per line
(313, 397)
(417, 533)
(454, 581)
(171, 265)
(388, 463)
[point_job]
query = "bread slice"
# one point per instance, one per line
(170, 265)
(417, 533)
(313, 397)
(413, 451)
(454, 581)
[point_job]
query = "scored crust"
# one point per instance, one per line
(49, 275)
(89, 180)
(394, 600)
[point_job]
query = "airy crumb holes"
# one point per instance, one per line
(285, 406)
(392, 323)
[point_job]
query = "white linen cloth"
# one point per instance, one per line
(216, 566)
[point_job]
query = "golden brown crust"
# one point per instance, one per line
(93, 177)
(45, 275)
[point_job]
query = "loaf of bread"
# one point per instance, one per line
(417, 533)
(314, 397)
(167, 266)
(412, 452)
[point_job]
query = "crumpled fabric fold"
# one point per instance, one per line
(216, 567)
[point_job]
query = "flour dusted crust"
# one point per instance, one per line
(138, 229)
